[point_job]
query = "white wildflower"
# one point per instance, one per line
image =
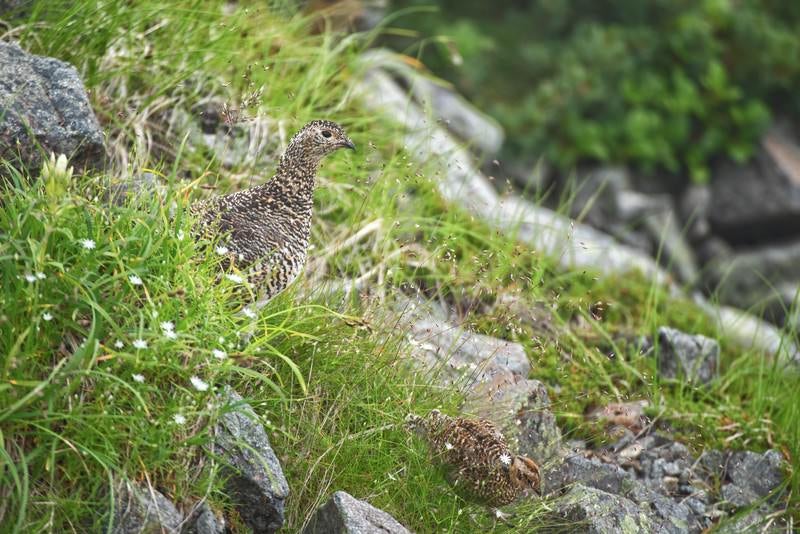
(40, 275)
(181, 235)
(219, 354)
(448, 446)
(249, 312)
(179, 419)
(138, 378)
(30, 278)
(198, 383)
(170, 334)
(221, 250)
(135, 280)
(139, 344)
(47, 316)
(167, 326)
(505, 459)
(221, 339)
(88, 244)
(119, 344)
(235, 278)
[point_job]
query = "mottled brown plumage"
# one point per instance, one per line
(266, 228)
(478, 458)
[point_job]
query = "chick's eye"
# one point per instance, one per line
(326, 134)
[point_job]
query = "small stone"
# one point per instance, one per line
(671, 469)
(695, 358)
(758, 473)
(344, 514)
(140, 510)
(203, 520)
(670, 484)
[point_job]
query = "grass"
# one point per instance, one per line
(323, 369)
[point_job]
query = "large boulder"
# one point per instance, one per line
(761, 199)
(255, 480)
(43, 109)
(766, 276)
(344, 514)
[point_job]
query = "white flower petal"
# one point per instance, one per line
(88, 244)
(249, 312)
(167, 326)
(47, 316)
(40, 275)
(221, 250)
(135, 280)
(181, 235)
(138, 378)
(139, 344)
(30, 278)
(219, 354)
(198, 383)
(119, 344)
(179, 419)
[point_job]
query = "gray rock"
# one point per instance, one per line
(753, 521)
(693, 210)
(255, 478)
(737, 496)
(595, 511)
(576, 469)
(454, 354)
(203, 520)
(44, 108)
(758, 474)
(760, 199)
(461, 183)
(140, 510)
(668, 238)
(764, 278)
(668, 516)
(693, 357)
(344, 514)
(477, 129)
(576, 246)
(521, 408)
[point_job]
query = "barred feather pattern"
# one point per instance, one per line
(266, 229)
(478, 458)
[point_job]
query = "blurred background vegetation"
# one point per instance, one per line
(659, 85)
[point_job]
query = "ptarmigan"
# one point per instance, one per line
(264, 231)
(478, 458)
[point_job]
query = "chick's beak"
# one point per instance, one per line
(347, 143)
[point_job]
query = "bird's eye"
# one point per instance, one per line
(326, 134)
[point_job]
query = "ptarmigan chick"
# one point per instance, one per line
(264, 231)
(478, 458)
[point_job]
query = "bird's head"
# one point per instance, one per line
(525, 475)
(319, 138)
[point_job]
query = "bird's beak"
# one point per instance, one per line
(348, 144)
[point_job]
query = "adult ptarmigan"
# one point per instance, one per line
(264, 231)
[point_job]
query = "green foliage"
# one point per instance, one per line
(659, 85)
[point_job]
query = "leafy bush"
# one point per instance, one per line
(665, 84)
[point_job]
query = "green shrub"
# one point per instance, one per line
(664, 84)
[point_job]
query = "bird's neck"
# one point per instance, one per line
(294, 181)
